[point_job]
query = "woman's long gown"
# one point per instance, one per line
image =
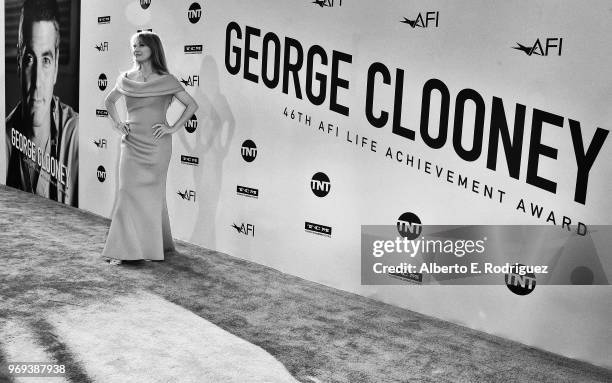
(140, 227)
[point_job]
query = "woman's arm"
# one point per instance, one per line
(191, 106)
(109, 102)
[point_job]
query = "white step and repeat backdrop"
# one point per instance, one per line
(318, 117)
(2, 106)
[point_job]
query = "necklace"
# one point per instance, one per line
(145, 77)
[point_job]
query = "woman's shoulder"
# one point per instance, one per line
(161, 84)
(173, 77)
(174, 80)
(129, 74)
(133, 75)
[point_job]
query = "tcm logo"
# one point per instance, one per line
(245, 228)
(193, 49)
(194, 13)
(104, 20)
(147, 30)
(101, 113)
(410, 277)
(102, 47)
(327, 3)
(247, 191)
(520, 284)
(552, 44)
(101, 173)
(191, 80)
(248, 151)
(188, 160)
(144, 4)
(320, 184)
(101, 143)
(429, 20)
(409, 226)
(187, 195)
(192, 124)
(315, 228)
(102, 82)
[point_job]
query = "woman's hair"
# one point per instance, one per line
(158, 57)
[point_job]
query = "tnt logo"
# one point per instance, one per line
(102, 47)
(520, 283)
(187, 195)
(248, 151)
(327, 3)
(320, 184)
(192, 124)
(144, 4)
(101, 113)
(101, 173)
(191, 80)
(430, 19)
(102, 82)
(194, 13)
(104, 20)
(245, 228)
(409, 226)
(552, 44)
(101, 143)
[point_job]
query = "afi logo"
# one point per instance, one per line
(100, 143)
(192, 124)
(103, 47)
(423, 22)
(520, 284)
(191, 80)
(246, 229)
(552, 43)
(194, 13)
(327, 3)
(101, 173)
(145, 3)
(320, 184)
(102, 82)
(187, 195)
(248, 151)
(409, 226)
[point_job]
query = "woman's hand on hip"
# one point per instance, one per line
(160, 130)
(123, 127)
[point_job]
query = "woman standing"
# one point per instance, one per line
(140, 227)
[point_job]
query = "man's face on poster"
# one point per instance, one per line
(38, 70)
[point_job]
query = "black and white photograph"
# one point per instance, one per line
(325, 191)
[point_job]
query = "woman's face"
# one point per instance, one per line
(140, 51)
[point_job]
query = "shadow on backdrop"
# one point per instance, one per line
(212, 141)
